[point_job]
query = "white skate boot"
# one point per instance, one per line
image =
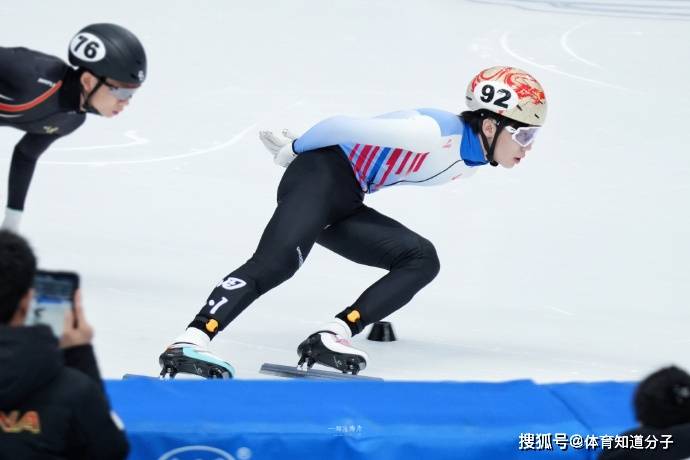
(331, 347)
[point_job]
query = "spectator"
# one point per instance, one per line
(52, 404)
(662, 406)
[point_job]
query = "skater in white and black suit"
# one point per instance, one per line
(320, 200)
(48, 99)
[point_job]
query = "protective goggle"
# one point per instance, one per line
(523, 136)
(121, 94)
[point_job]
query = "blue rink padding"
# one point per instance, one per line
(284, 419)
(603, 407)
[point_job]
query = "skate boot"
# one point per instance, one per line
(331, 347)
(189, 354)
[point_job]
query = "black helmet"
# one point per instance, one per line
(109, 51)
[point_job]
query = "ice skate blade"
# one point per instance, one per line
(281, 370)
(141, 376)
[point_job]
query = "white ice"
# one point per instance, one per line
(572, 266)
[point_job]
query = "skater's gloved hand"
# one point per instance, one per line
(77, 331)
(288, 134)
(280, 146)
(12, 220)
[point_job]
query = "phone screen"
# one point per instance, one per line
(53, 297)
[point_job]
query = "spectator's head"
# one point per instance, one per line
(663, 399)
(17, 270)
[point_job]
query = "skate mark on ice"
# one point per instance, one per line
(569, 50)
(136, 140)
(553, 69)
(564, 312)
(193, 153)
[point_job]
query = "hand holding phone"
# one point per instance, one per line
(76, 330)
(53, 299)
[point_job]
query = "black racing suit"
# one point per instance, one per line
(40, 95)
(52, 403)
(320, 201)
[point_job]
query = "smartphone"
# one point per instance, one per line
(53, 298)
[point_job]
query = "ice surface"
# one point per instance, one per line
(572, 266)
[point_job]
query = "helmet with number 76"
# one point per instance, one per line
(109, 51)
(510, 93)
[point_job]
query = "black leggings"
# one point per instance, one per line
(320, 201)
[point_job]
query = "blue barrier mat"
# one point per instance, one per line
(349, 420)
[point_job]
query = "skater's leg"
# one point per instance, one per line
(371, 238)
(284, 245)
(317, 189)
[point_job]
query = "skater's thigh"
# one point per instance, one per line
(371, 238)
(296, 221)
(318, 188)
(324, 174)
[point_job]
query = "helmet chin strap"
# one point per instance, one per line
(490, 148)
(87, 97)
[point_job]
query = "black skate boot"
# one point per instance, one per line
(332, 350)
(189, 354)
(192, 359)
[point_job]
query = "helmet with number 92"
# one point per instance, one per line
(510, 93)
(514, 99)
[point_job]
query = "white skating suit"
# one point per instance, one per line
(413, 147)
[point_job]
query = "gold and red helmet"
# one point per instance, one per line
(509, 92)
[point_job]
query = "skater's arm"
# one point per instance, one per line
(22, 166)
(24, 159)
(408, 130)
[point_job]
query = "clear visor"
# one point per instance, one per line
(122, 94)
(523, 136)
(119, 92)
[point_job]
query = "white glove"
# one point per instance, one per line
(279, 146)
(13, 218)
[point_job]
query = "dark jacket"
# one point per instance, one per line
(49, 410)
(678, 450)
